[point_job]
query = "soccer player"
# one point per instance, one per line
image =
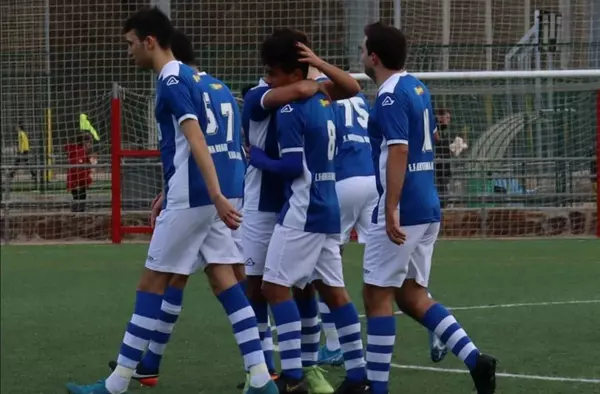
(196, 116)
(22, 151)
(357, 195)
(305, 242)
(406, 221)
(264, 194)
(147, 371)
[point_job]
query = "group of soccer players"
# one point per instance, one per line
(316, 163)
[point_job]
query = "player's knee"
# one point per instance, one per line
(378, 300)
(240, 272)
(220, 277)
(274, 293)
(178, 281)
(153, 281)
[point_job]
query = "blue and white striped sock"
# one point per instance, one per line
(261, 309)
(287, 319)
(311, 331)
(137, 336)
(439, 321)
(381, 335)
(169, 313)
(348, 328)
(331, 336)
(245, 329)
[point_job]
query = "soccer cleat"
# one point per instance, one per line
(484, 374)
(317, 383)
(351, 387)
(269, 388)
(437, 348)
(330, 357)
(144, 376)
(289, 385)
(96, 388)
(244, 385)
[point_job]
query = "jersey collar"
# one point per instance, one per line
(392, 79)
(166, 67)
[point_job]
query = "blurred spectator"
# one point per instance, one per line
(22, 152)
(79, 179)
(443, 172)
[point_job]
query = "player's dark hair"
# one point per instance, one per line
(298, 35)
(442, 111)
(388, 43)
(246, 89)
(151, 22)
(280, 50)
(182, 48)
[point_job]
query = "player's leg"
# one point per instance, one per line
(331, 353)
(256, 235)
(306, 300)
(329, 281)
(414, 300)
(437, 348)
(384, 270)
(168, 254)
(291, 259)
(220, 255)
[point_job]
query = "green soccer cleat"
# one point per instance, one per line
(316, 381)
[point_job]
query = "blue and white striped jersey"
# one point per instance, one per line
(182, 94)
(403, 114)
(309, 126)
(263, 191)
(353, 156)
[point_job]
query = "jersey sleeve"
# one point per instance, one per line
(392, 116)
(290, 129)
(253, 104)
(177, 96)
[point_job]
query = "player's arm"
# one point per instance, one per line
(278, 97)
(392, 113)
(340, 84)
(289, 131)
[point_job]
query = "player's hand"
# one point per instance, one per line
(392, 226)
(227, 212)
(156, 207)
(308, 56)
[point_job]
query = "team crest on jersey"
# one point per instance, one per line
(324, 102)
(196, 77)
(287, 109)
(216, 86)
(419, 90)
(172, 81)
(387, 101)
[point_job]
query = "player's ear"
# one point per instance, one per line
(150, 42)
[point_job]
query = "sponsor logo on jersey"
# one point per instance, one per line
(387, 101)
(172, 81)
(324, 102)
(287, 109)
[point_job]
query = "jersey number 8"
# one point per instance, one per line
(331, 144)
(226, 111)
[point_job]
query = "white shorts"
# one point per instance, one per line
(357, 197)
(185, 240)
(257, 229)
(296, 258)
(388, 265)
(237, 234)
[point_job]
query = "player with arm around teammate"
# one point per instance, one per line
(195, 128)
(305, 242)
(406, 220)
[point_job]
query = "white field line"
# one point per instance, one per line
(499, 374)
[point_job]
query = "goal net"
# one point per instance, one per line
(530, 141)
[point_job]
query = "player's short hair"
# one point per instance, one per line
(442, 111)
(246, 89)
(298, 35)
(388, 43)
(280, 50)
(182, 48)
(151, 21)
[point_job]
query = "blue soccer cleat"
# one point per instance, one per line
(269, 388)
(330, 357)
(437, 349)
(96, 388)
